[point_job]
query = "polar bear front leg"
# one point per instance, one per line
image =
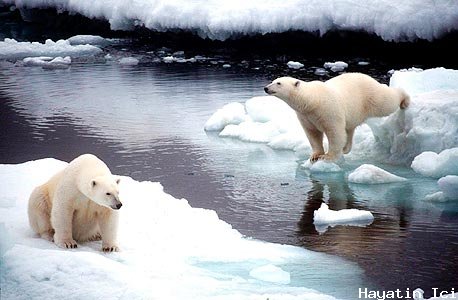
(108, 224)
(314, 136)
(61, 220)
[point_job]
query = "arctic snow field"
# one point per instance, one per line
(220, 200)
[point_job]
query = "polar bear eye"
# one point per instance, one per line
(108, 194)
(278, 83)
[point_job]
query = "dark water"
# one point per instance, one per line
(146, 122)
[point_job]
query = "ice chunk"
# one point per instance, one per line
(370, 174)
(271, 273)
(226, 66)
(320, 72)
(436, 165)
(87, 40)
(250, 131)
(47, 62)
(363, 63)
(431, 121)
(321, 166)
(449, 186)
(337, 66)
(12, 49)
(294, 65)
(326, 216)
(128, 61)
(232, 113)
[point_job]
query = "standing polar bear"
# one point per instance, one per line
(336, 107)
(79, 203)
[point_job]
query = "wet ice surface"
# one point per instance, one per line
(146, 121)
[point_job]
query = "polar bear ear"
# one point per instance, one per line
(296, 84)
(118, 180)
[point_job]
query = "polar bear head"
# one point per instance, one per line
(104, 191)
(283, 87)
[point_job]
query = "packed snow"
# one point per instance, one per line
(337, 66)
(294, 65)
(14, 50)
(325, 217)
(217, 19)
(163, 240)
(436, 165)
(429, 124)
(370, 174)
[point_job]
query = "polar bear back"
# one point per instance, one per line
(363, 97)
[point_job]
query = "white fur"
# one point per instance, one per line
(336, 107)
(78, 203)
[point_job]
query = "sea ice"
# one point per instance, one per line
(12, 49)
(47, 62)
(370, 174)
(321, 166)
(271, 273)
(324, 217)
(436, 165)
(294, 65)
(129, 61)
(232, 113)
(163, 240)
(337, 66)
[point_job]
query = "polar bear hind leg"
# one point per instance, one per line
(39, 213)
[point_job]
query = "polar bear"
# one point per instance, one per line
(336, 107)
(79, 203)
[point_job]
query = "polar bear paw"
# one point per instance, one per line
(68, 243)
(316, 156)
(110, 248)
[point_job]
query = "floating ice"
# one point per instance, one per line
(294, 65)
(232, 113)
(320, 71)
(217, 262)
(172, 59)
(88, 40)
(12, 49)
(128, 61)
(436, 165)
(321, 166)
(47, 62)
(363, 63)
(337, 66)
(431, 121)
(324, 217)
(271, 273)
(370, 174)
(226, 66)
(218, 19)
(449, 186)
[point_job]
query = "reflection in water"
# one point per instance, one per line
(147, 122)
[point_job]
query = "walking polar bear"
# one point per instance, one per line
(336, 107)
(79, 203)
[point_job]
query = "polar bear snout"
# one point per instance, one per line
(116, 205)
(268, 90)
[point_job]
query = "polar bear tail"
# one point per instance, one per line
(405, 99)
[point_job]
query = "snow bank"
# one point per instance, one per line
(436, 165)
(12, 49)
(218, 19)
(431, 121)
(370, 174)
(324, 217)
(164, 241)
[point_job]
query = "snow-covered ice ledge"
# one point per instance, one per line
(219, 19)
(164, 241)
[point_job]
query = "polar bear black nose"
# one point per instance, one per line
(118, 206)
(266, 89)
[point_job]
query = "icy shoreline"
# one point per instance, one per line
(222, 20)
